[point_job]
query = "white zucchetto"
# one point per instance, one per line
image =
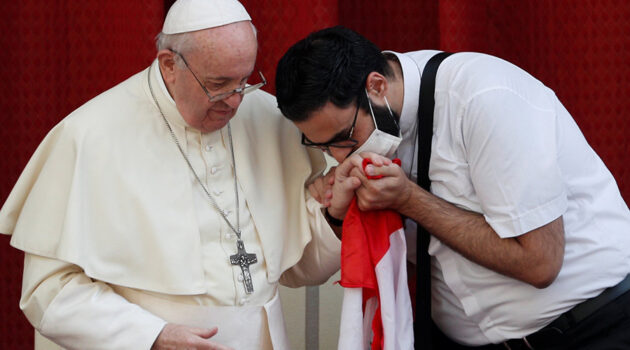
(192, 15)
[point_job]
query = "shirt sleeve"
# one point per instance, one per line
(69, 308)
(322, 255)
(510, 142)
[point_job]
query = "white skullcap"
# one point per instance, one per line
(191, 15)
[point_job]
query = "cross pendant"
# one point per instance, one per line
(244, 259)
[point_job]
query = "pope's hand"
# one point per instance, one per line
(392, 191)
(175, 336)
(321, 188)
(343, 188)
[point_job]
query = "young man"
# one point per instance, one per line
(529, 233)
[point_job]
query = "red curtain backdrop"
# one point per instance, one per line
(60, 53)
(57, 55)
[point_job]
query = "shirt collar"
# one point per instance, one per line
(411, 83)
(163, 97)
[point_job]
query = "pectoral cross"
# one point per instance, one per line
(244, 259)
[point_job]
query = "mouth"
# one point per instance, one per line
(225, 113)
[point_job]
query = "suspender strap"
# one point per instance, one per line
(422, 322)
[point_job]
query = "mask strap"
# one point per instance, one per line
(388, 107)
(371, 110)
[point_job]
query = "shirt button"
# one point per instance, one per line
(227, 212)
(217, 192)
(244, 301)
(228, 236)
(208, 148)
(214, 170)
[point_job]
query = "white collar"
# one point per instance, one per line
(411, 81)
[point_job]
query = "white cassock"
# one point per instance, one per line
(120, 239)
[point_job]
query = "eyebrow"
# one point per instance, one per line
(340, 136)
(222, 79)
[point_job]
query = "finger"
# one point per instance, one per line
(376, 159)
(331, 171)
(205, 332)
(358, 174)
(344, 168)
(312, 189)
(388, 170)
(356, 160)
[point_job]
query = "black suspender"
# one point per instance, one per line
(422, 322)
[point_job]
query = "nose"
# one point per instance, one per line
(234, 100)
(340, 154)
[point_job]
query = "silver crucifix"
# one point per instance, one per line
(244, 259)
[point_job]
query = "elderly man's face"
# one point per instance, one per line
(223, 59)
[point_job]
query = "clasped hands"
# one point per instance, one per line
(336, 189)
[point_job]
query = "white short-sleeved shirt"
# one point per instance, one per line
(504, 146)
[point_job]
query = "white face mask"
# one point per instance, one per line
(379, 141)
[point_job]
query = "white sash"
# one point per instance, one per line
(240, 327)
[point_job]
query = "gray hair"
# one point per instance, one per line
(181, 42)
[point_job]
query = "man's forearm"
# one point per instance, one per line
(534, 258)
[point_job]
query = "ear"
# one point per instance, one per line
(376, 85)
(166, 60)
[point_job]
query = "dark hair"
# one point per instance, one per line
(328, 65)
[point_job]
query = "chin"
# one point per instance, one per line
(215, 123)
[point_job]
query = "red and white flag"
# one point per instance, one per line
(376, 311)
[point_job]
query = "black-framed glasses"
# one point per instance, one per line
(343, 142)
(222, 96)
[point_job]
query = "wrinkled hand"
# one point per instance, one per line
(392, 191)
(175, 336)
(343, 188)
(321, 188)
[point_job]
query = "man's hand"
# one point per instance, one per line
(321, 188)
(392, 191)
(175, 336)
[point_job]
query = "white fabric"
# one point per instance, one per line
(241, 327)
(391, 272)
(135, 238)
(374, 275)
(503, 145)
(109, 197)
(356, 324)
(192, 15)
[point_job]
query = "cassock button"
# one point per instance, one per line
(228, 236)
(217, 192)
(208, 148)
(214, 170)
(240, 277)
(244, 301)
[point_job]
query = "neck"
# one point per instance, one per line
(396, 84)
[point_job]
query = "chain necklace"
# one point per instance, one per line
(241, 258)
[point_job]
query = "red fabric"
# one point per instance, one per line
(365, 241)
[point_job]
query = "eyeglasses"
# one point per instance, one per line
(222, 96)
(345, 142)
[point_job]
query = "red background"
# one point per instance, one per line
(58, 54)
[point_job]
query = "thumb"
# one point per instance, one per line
(205, 332)
(351, 184)
(388, 170)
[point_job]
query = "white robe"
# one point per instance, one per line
(107, 202)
